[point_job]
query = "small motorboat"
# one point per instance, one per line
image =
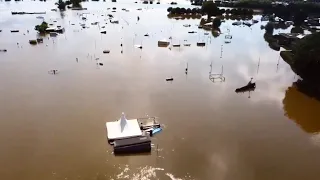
(169, 79)
(138, 46)
(106, 51)
(100, 64)
(201, 43)
(175, 45)
(192, 32)
(249, 87)
(103, 32)
(187, 44)
(14, 31)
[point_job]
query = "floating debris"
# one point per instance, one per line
(53, 9)
(94, 23)
(103, 27)
(33, 42)
(100, 64)
(40, 40)
(54, 71)
(206, 33)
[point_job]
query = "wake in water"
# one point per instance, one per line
(145, 173)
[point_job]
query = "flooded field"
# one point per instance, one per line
(52, 127)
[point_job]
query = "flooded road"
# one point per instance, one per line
(53, 126)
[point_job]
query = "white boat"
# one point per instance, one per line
(186, 25)
(163, 43)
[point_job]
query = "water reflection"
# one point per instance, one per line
(302, 109)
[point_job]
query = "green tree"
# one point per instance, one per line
(307, 57)
(210, 8)
(169, 9)
(188, 11)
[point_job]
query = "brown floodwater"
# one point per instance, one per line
(53, 126)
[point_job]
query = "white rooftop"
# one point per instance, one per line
(123, 128)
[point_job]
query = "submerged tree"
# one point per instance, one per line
(269, 28)
(307, 57)
(76, 3)
(216, 23)
(61, 5)
(210, 8)
(299, 18)
(42, 27)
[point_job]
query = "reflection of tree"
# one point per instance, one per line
(302, 109)
(215, 32)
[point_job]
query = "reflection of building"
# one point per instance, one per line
(303, 110)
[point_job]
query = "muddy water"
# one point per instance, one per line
(53, 126)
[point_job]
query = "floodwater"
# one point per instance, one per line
(53, 126)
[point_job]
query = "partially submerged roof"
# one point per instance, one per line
(123, 128)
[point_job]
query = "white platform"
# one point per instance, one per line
(123, 128)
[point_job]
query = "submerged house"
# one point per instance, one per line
(123, 128)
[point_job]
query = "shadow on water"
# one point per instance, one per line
(302, 108)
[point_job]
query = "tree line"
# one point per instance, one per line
(211, 11)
